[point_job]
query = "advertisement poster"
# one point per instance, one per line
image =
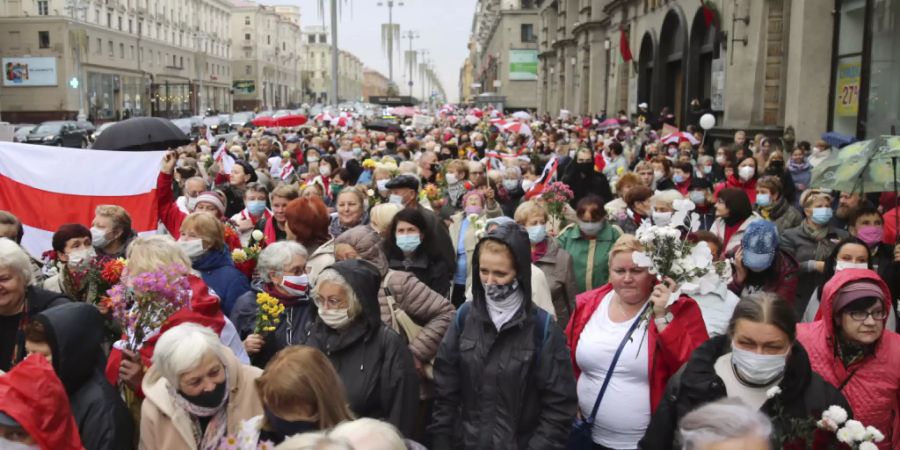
(847, 95)
(523, 65)
(29, 72)
(244, 86)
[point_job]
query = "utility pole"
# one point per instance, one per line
(390, 38)
(334, 54)
(411, 35)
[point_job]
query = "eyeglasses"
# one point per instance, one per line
(329, 303)
(861, 316)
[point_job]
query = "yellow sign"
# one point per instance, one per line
(847, 90)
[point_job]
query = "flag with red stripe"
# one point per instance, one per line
(545, 179)
(46, 187)
(225, 160)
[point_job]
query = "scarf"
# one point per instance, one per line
(503, 311)
(850, 352)
(218, 423)
(78, 286)
(336, 228)
(538, 250)
(289, 301)
(816, 233)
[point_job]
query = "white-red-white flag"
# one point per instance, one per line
(46, 187)
(225, 160)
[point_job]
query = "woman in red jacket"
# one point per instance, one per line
(851, 349)
(657, 341)
(743, 178)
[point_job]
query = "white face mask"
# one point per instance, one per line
(192, 248)
(658, 174)
(756, 368)
(746, 172)
(382, 185)
(325, 170)
(841, 265)
(10, 445)
(98, 237)
(336, 319)
(192, 203)
(79, 259)
(661, 218)
(451, 178)
(527, 184)
(720, 160)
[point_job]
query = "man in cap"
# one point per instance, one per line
(404, 191)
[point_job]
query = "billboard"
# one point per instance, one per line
(523, 65)
(244, 86)
(29, 72)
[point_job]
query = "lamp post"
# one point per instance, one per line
(411, 35)
(390, 38)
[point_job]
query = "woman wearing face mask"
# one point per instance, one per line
(759, 265)
(759, 352)
(500, 343)
(662, 173)
(775, 167)
(701, 195)
(584, 180)
(733, 215)
(74, 254)
(811, 242)
(274, 227)
(681, 176)
(661, 209)
(412, 248)
(852, 350)
(867, 224)
(374, 364)
(457, 175)
(281, 268)
(111, 231)
(704, 168)
(462, 232)
(629, 317)
(773, 206)
(589, 241)
(197, 392)
(744, 178)
(202, 240)
(307, 223)
(637, 209)
(724, 156)
(546, 254)
(300, 393)
(254, 211)
(351, 206)
(380, 177)
(800, 169)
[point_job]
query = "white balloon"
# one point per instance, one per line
(707, 121)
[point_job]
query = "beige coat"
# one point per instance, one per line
(557, 267)
(319, 260)
(165, 426)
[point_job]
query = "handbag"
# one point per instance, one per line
(580, 437)
(403, 324)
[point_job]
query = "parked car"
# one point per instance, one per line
(88, 127)
(61, 133)
(22, 130)
(100, 130)
(241, 119)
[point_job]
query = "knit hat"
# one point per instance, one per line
(853, 291)
(759, 245)
(213, 199)
(66, 232)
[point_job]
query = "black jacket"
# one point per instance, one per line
(372, 360)
(491, 393)
(441, 235)
(11, 339)
(434, 273)
(75, 332)
(804, 393)
(585, 180)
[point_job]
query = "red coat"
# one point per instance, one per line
(204, 310)
(873, 389)
(734, 182)
(32, 395)
(168, 211)
(668, 350)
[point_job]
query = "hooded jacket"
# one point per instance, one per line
(11, 338)
(218, 272)
(35, 398)
(494, 391)
(75, 334)
(872, 386)
(804, 394)
(372, 360)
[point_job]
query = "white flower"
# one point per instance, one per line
(695, 222)
(836, 414)
(370, 192)
(875, 434)
(773, 391)
(641, 259)
(867, 446)
(857, 430)
(827, 424)
(701, 255)
(257, 235)
(683, 205)
(844, 435)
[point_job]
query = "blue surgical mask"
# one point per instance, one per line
(357, 151)
(763, 199)
(256, 207)
(408, 243)
(678, 178)
(821, 216)
(537, 233)
(590, 228)
(396, 199)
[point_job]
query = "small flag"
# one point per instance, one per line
(623, 46)
(546, 177)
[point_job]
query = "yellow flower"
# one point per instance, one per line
(238, 256)
(270, 329)
(276, 321)
(260, 300)
(264, 318)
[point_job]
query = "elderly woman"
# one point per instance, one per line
(74, 254)
(462, 232)
(19, 302)
(637, 208)
(197, 392)
(307, 223)
(281, 268)
(501, 381)
(772, 205)
(725, 422)
(352, 205)
(274, 226)
(616, 208)
(111, 231)
(734, 214)
(202, 239)
(381, 215)
(630, 316)
(300, 393)
(169, 213)
(374, 364)
(661, 207)
(547, 255)
(759, 352)
(589, 242)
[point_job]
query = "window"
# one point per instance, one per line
(109, 47)
(108, 20)
(246, 20)
(130, 52)
(120, 22)
(322, 39)
(130, 29)
(140, 27)
(269, 39)
(97, 16)
(283, 46)
(43, 39)
(99, 46)
(248, 70)
(122, 51)
(174, 61)
(181, 61)
(246, 36)
(527, 31)
(43, 8)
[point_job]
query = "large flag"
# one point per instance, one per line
(46, 187)
(225, 160)
(544, 180)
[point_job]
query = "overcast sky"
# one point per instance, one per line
(443, 27)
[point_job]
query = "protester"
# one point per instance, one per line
(351, 205)
(867, 225)
(74, 255)
(773, 206)
(734, 214)
(722, 423)
(274, 226)
(255, 210)
(589, 242)
(381, 216)
(111, 231)
(761, 266)
(584, 180)
(307, 223)
(463, 233)
(404, 191)
(411, 247)
(242, 173)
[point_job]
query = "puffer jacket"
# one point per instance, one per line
(75, 333)
(589, 256)
(804, 395)
(218, 272)
(557, 264)
(872, 386)
(782, 214)
(807, 250)
(494, 390)
(372, 360)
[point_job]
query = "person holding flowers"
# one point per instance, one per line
(463, 229)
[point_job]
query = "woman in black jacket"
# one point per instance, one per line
(412, 246)
(372, 360)
(582, 177)
(502, 373)
(759, 354)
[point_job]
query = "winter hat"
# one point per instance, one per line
(854, 291)
(66, 232)
(213, 199)
(760, 243)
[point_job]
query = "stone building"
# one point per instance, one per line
(316, 71)
(375, 84)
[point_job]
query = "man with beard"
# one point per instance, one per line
(848, 203)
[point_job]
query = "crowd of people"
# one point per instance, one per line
(428, 292)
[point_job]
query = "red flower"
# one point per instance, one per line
(112, 271)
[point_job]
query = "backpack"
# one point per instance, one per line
(541, 329)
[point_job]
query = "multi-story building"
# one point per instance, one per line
(267, 56)
(350, 77)
(465, 81)
(375, 84)
(761, 66)
(111, 59)
(504, 54)
(316, 72)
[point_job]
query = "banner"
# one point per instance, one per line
(523, 65)
(46, 187)
(847, 86)
(244, 86)
(29, 72)
(422, 121)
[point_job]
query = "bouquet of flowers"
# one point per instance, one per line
(245, 258)
(142, 303)
(831, 431)
(667, 255)
(556, 196)
(432, 193)
(269, 313)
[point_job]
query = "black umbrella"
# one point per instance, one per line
(384, 126)
(141, 133)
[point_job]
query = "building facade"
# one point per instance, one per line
(112, 59)
(350, 77)
(268, 56)
(465, 81)
(762, 66)
(316, 72)
(375, 84)
(504, 51)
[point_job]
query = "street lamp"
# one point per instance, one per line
(411, 35)
(390, 35)
(200, 97)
